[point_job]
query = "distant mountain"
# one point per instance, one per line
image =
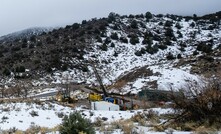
(27, 33)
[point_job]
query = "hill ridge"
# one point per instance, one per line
(170, 47)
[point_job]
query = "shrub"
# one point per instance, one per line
(162, 46)
(204, 48)
(115, 54)
(131, 16)
(49, 40)
(99, 39)
(81, 33)
(107, 40)
(148, 34)
(134, 40)
(195, 52)
(75, 123)
(103, 47)
(160, 23)
(103, 34)
(159, 15)
(143, 50)
(33, 129)
(180, 35)
(123, 39)
(169, 32)
(84, 22)
(200, 102)
(33, 38)
(112, 17)
(64, 67)
(170, 56)
(24, 40)
(39, 43)
(31, 46)
(116, 27)
(1, 54)
(134, 24)
(126, 126)
(60, 114)
(75, 26)
(84, 69)
(97, 31)
(152, 49)
(192, 24)
(178, 26)
(24, 45)
(148, 41)
(15, 48)
(112, 44)
(179, 56)
(138, 53)
(157, 38)
(20, 69)
(152, 115)
(102, 27)
(148, 15)
(168, 23)
(167, 41)
(182, 49)
(114, 36)
(6, 72)
(194, 17)
(33, 113)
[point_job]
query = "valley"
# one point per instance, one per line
(132, 54)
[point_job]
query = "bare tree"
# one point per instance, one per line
(17, 89)
(66, 85)
(2, 90)
(199, 102)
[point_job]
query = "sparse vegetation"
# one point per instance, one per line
(134, 40)
(200, 104)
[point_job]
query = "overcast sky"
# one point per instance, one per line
(17, 15)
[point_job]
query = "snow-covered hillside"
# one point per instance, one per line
(27, 33)
(22, 116)
(117, 59)
(131, 53)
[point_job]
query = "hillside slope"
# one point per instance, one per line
(130, 52)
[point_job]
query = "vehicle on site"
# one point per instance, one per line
(63, 96)
(95, 97)
(99, 97)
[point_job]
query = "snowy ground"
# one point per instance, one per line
(20, 115)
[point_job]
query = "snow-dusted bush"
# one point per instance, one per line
(75, 123)
(60, 114)
(126, 126)
(33, 113)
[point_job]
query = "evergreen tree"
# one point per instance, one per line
(148, 16)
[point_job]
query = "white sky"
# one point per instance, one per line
(17, 15)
